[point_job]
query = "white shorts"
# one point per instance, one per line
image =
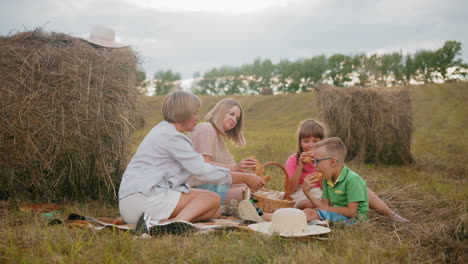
(159, 207)
(299, 195)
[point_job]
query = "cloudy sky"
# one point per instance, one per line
(189, 36)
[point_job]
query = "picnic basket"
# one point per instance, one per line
(269, 205)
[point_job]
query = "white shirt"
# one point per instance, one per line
(164, 160)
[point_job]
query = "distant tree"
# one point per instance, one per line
(196, 87)
(340, 66)
(315, 67)
(410, 68)
(289, 75)
(368, 69)
(425, 64)
(261, 72)
(206, 84)
(166, 81)
(445, 57)
(392, 67)
(229, 81)
(141, 82)
(298, 76)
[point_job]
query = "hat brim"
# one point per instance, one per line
(104, 43)
(311, 230)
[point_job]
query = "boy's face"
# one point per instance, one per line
(308, 142)
(324, 164)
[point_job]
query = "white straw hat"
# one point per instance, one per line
(104, 37)
(289, 222)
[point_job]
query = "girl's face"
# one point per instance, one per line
(308, 142)
(231, 118)
(192, 122)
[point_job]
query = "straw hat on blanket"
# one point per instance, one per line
(289, 222)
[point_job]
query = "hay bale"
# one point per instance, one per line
(64, 111)
(321, 86)
(374, 123)
(266, 91)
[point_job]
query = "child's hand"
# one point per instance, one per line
(310, 180)
(245, 164)
(306, 157)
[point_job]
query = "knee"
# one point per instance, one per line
(311, 214)
(216, 200)
(217, 214)
(212, 198)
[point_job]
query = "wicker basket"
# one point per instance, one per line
(269, 205)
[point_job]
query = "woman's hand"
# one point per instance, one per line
(254, 182)
(245, 164)
(309, 181)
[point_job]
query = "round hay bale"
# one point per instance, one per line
(64, 116)
(374, 123)
(266, 91)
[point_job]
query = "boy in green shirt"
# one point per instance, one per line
(344, 195)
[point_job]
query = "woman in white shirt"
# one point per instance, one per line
(155, 183)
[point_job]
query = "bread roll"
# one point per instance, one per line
(307, 159)
(318, 175)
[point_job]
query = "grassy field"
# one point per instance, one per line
(432, 193)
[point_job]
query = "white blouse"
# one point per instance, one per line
(164, 160)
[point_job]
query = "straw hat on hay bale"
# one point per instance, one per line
(104, 37)
(374, 123)
(65, 107)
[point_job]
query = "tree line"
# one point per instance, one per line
(424, 66)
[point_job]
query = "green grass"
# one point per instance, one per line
(432, 192)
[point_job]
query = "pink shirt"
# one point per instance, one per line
(207, 142)
(291, 165)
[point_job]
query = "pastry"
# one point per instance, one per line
(307, 159)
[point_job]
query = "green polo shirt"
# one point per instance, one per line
(348, 188)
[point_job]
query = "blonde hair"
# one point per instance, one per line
(179, 106)
(308, 128)
(217, 114)
(333, 146)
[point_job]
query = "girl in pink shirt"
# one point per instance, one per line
(308, 133)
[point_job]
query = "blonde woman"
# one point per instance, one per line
(224, 122)
(154, 192)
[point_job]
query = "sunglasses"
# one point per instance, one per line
(316, 161)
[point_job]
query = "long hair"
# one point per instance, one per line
(216, 116)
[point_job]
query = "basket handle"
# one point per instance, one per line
(286, 178)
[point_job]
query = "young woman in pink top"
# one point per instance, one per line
(224, 122)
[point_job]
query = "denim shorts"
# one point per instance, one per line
(220, 190)
(335, 217)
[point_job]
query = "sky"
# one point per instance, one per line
(188, 36)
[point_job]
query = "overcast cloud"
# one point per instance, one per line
(188, 42)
